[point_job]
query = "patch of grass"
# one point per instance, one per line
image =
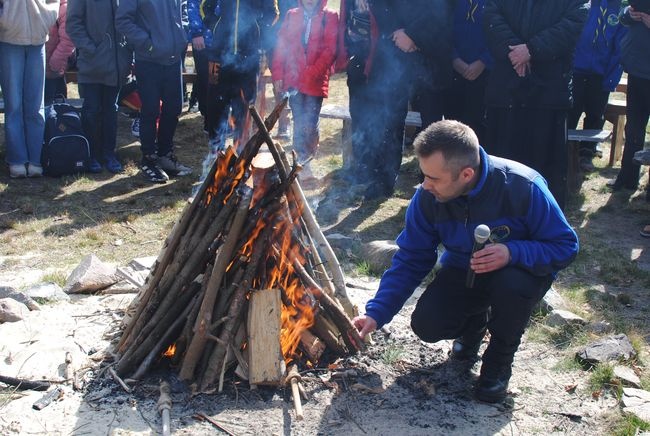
(560, 337)
(630, 425)
(601, 377)
(363, 268)
(567, 364)
(56, 277)
(392, 354)
(621, 271)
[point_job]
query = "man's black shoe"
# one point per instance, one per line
(465, 349)
(492, 389)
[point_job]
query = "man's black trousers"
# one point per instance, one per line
(448, 309)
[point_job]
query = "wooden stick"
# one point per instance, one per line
(224, 257)
(46, 399)
(23, 385)
(119, 380)
(293, 377)
(165, 407)
(201, 416)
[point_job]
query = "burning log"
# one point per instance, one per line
(240, 259)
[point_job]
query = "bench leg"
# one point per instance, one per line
(616, 149)
(346, 145)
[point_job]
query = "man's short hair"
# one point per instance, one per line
(456, 141)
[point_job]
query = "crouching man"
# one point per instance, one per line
(530, 241)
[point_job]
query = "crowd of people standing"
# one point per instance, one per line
(519, 73)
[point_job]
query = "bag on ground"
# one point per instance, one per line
(66, 149)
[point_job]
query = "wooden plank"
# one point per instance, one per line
(339, 112)
(266, 365)
(589, 135)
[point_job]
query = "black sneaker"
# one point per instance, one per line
(152, 171)
(172, 166)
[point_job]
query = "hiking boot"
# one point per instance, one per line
(113, 165)
(466, 347)
(17, 171)
(172, 166)
(135, 127)
(492, 386)
(94, 166)
(152, 171)
(34, 170)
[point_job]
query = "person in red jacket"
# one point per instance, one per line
(303, 58)
(58, 49)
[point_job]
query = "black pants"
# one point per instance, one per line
(588, 98)
(536, 137)
(378, 108)
(637, 114)
(447, 309)
(234, 91)
(55, 88)
(465, 102)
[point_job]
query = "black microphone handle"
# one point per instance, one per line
(469, 280)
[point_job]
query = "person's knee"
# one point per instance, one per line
(428, 328)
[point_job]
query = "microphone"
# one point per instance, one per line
(481, 235)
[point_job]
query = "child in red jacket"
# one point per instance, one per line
(303, 58)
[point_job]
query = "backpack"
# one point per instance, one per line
(66, 149)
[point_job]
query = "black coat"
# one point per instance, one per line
(551, 29)
(429, 24)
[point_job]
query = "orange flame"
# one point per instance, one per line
(171, 350)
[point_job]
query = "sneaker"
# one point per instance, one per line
(135, 127)
(172, 166)
(283, 134)
(34, 170)
(113, 165)
(94, 166)
(152, 171)
(17, 171)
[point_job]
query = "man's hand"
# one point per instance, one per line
(640, 16)
(519, 54)
(490, 258)
(460, 66)
(474, 70)
(365, 325)
(522, 69)
(198, 43)
(403, 41)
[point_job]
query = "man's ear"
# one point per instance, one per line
(467, 174)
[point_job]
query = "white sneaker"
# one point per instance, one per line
(17, 171)
(34, 170)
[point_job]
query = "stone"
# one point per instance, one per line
(627, 376)
(11, 310)
(600, 327)
(611, 348)
(143, 263)
(137, 277)
(9, 292)
(551, 301)
(121, 287)
(636, 402)
(379, 254)
(561, 318)
(47, 291)
(91, 275)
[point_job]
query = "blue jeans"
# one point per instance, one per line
(99, 117)
(158, 83)
(306, 110)
(22, 77)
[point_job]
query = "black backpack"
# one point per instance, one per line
(66, 149)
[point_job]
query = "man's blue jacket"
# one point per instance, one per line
(510, 198)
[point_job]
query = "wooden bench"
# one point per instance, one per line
(615, 114)
(76, 102)
(574, 138)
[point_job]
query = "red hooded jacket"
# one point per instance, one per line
(306, 69)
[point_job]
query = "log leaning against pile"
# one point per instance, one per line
(235, 237)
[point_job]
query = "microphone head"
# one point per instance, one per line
(481, 233)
